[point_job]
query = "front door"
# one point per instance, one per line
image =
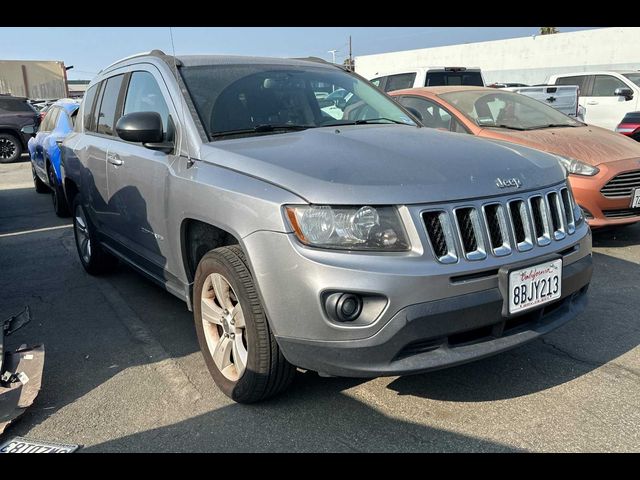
(602, 107)
(138, 177)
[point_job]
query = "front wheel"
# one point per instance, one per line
(238, 347)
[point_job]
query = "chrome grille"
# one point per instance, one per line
(500, 227)
(622, 185)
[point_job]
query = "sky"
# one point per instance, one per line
(89, 49)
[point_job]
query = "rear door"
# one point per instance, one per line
(99, 137)
(138, 177)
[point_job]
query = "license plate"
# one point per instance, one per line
(635, 198)
(534, 286)
(24, 445)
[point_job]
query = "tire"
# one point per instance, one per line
(41, 187)
(265, 372)
(95, 259)
(10, 148)
(57, 194)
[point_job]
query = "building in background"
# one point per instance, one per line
(34, 79)
(77, 88)
(528, 60)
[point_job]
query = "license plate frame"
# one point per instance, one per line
(635, 198)
(26, 445)
(504, 283)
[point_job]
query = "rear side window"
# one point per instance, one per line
(400, 82)
(435, 79)
(14, 105)
(579, 80)
(377, 81)
(50, 119)
(108, 105)
(605, 85)
(87, 106)
(144, 95)
(433, 115)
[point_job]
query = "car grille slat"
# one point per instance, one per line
(499, 228)
(622, 213)
(622, 185)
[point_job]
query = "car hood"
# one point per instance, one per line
(589, 144)
(384, 164)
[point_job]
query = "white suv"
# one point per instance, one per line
(427, 77)
(607, 96)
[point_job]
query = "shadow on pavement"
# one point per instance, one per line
(623, 236)
(315, 415)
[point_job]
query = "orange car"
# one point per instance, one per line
(603, 166)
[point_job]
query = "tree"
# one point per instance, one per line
(548, 30)
(348, 64)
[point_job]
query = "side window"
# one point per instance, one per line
(87, 106)
(399, 82)
(144, 95)
(96, 107)
(51, 119)
(605, 85)
(579, 80)
(106, 117)
(433, 115)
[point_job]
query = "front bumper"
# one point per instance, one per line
(587, 193)
(443, 333)
(428, 305)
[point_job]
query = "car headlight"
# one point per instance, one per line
(348, 228)
(576, 167)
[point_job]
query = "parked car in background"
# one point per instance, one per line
(360, 246)
(507, 85)
(603, 167)
(606, 95)
(630, 126)
(561, 97)
(44, 151)
(18, 123)
(428, 77)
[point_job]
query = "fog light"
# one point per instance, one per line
(344, 307)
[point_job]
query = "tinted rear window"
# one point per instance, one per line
(579, 80)
(399, 82)
(435, 79)
(14, 105)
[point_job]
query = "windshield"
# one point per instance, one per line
(634, 77)
(507, 110)
(256, 99)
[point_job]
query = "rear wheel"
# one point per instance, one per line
(57, 194)
(10, 148)
(41, 187)
(238, 347)
(93, 257)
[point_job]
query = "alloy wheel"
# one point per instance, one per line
(7, 148)
(83, 239)
(224, 326)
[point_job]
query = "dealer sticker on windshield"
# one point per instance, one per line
(534, 286)
(25, 445)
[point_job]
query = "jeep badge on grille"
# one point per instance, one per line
(508, 182)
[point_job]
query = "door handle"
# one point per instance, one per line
(592, 102)
(113, 159)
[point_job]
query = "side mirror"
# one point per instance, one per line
(29, 129)
(145, 128)
(625, 92)
(414, 112)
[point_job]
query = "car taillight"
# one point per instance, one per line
(628, 128)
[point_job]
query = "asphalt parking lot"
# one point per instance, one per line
(123, 371)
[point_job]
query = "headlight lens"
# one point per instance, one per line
(571, 165)
(348, 228)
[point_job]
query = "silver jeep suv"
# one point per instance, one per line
(335, 236)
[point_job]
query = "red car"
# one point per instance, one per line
(630, 126)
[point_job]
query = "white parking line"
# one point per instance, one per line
(27, 232)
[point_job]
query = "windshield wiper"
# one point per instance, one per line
(370, 121)
(265, 128)
(552, 125)
(502, 125)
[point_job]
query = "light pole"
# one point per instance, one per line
(333, 52)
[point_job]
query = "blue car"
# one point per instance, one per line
(45, 152)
